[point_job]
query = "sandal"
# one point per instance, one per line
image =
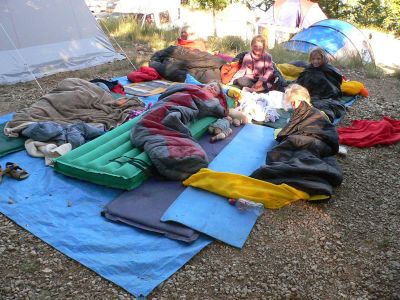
(14, 171)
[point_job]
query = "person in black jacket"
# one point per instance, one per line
(320, 78)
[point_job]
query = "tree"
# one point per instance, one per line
(260, 4)
(335, 9)
(391, 21)
(377, 13)
(369, 12)
(215, 5)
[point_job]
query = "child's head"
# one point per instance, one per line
(258, 44)
(214, 88)
(317, 57)
(186, 33)
(295, 94)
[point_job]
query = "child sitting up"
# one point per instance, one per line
(187, 38)
(321, 79)
(256, 72)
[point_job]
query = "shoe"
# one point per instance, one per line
(14, 171)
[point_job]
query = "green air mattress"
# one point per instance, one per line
(96, 162)
(10, 145)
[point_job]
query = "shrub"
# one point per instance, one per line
(229, 44)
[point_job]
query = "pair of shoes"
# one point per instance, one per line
(13, 170)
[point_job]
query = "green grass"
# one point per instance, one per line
(373, 71)
(128, 29)
(281, 55)
(230, 45)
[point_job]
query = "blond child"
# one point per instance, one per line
(320, 78)
(318, 57)
(256, 72)
(295, 94)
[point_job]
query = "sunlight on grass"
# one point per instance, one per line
(230, 45)
(128, 29)
(373, 71)
(125, 29)
(282, 55)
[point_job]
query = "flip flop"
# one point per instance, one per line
(14, 171)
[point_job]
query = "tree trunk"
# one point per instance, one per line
(215, 22)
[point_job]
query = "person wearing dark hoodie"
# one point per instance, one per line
(321, 79)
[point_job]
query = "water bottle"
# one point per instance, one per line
(246, 205)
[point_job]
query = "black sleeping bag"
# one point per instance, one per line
(304, 157)
(174, 62)
(322, 82)
(334, 109)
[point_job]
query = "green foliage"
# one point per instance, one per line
(335, 9)
(212, 4)
(392, 20)
(127, 28)
(373, 71)
(281, 55)
(260, 4)
(368, 12)
(378, 13)
(231, 45)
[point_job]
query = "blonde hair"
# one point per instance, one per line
(259, 38)
(319, 51)
(297, 93)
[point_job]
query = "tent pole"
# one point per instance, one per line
(109, 34)
(21, 57)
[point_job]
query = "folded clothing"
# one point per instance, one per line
(75, 134)
(47, 150)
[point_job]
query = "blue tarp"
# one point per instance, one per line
(65, 213)
(212, 214)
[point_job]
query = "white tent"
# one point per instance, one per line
(150, 7)
(44, 37)
(287, 17)
(237, 20)
(293, 14)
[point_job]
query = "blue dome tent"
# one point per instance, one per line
(341, 40)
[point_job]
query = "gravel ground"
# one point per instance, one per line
(345, 248)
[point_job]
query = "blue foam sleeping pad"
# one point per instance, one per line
(212, 214)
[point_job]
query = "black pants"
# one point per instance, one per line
(248, 82)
